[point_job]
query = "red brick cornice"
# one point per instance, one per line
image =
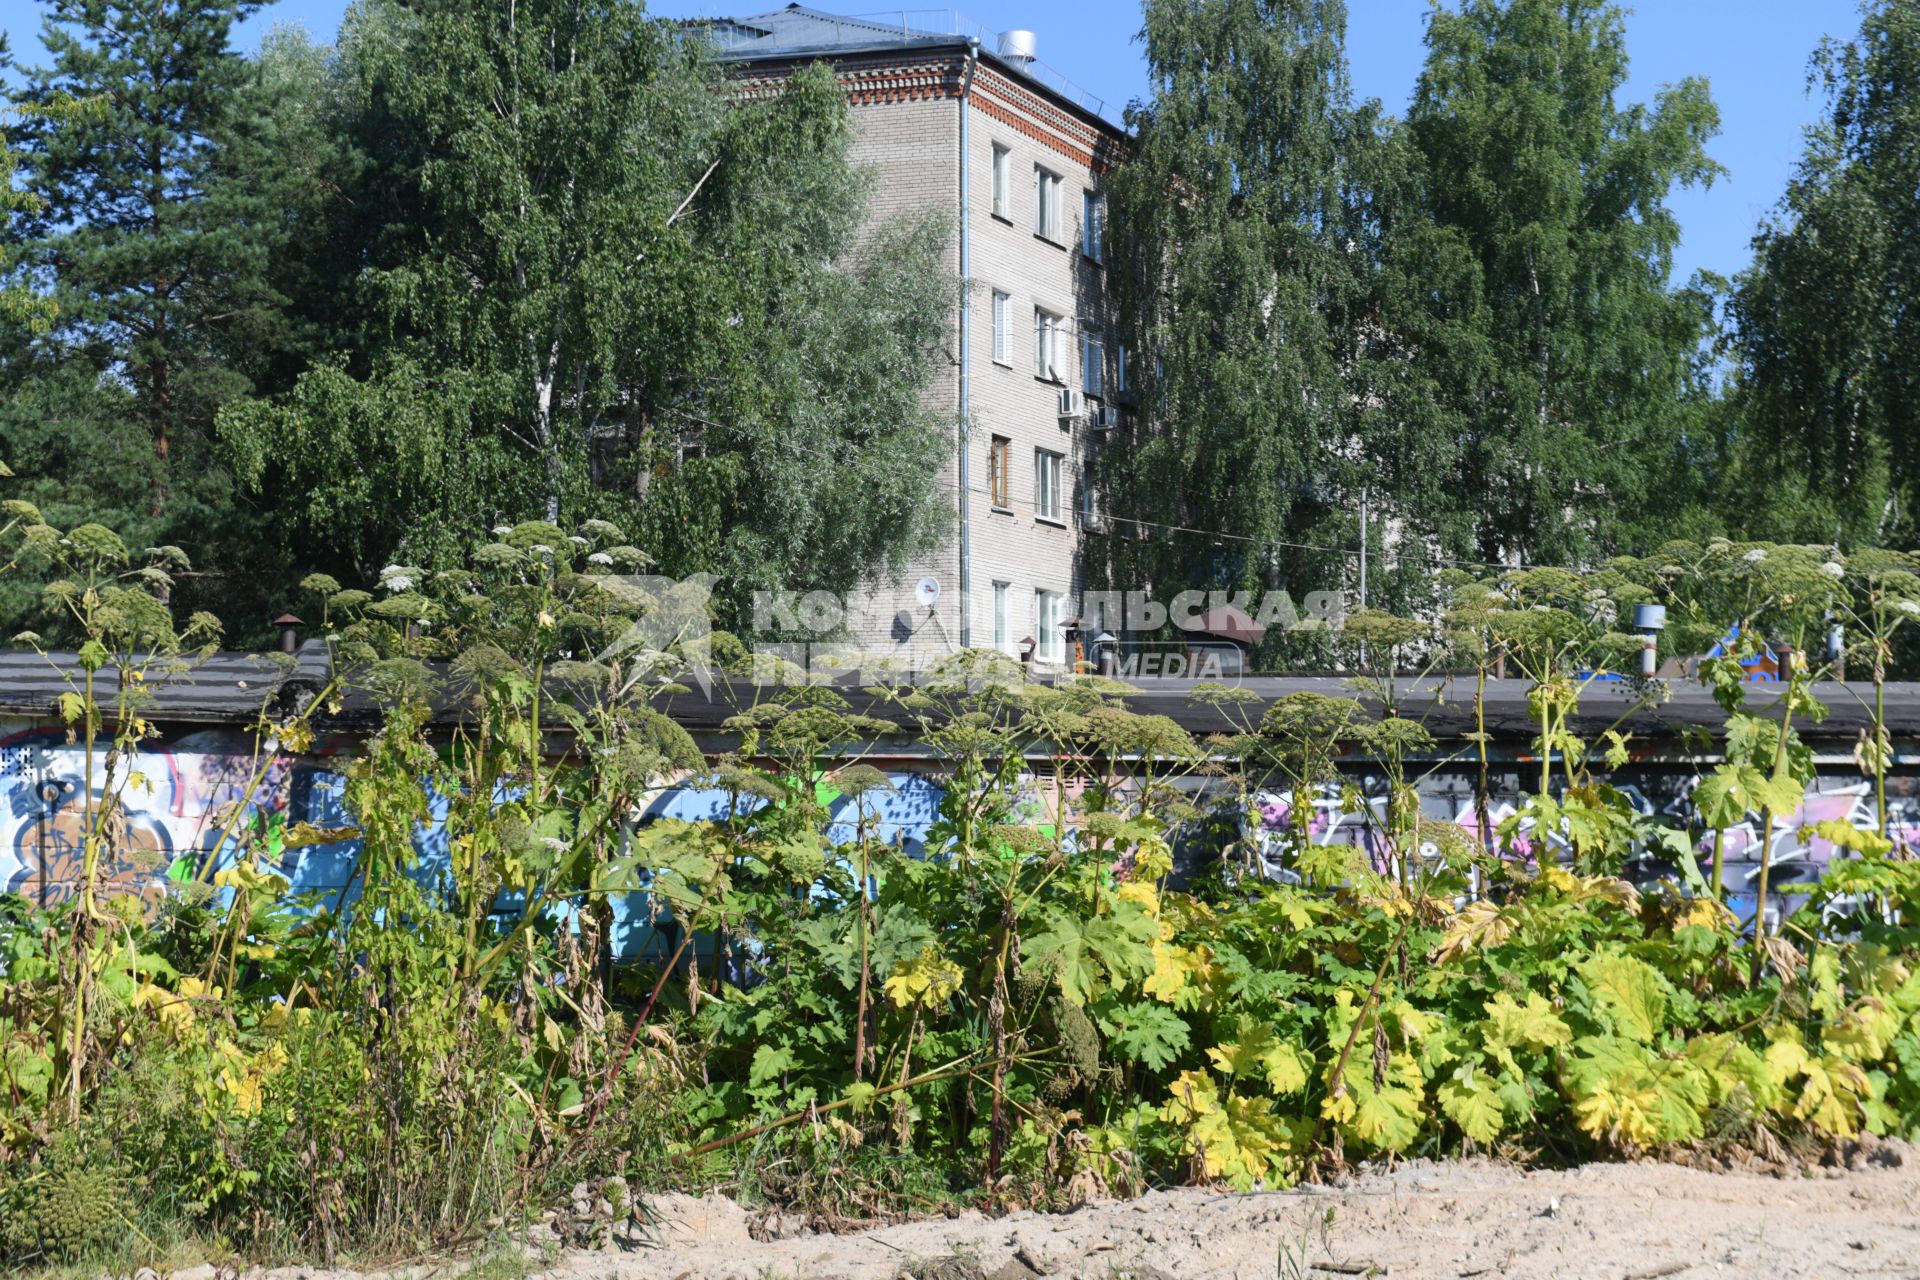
(887, 79)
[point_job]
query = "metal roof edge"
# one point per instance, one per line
(812, 53)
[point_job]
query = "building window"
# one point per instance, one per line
(1090, 515)
(1002, 180)
(1046, 484)
(999, 453)
(1002, 592)
(1120, 369)
(1050, 640)
(1092, 234)
(1046, 203)
(1002, 328)
(1049, 346)
(1093, 363)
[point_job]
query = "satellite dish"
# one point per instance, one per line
(927, 592)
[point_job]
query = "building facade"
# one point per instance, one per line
(968, 124)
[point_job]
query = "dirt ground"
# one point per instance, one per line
(1423, 1219)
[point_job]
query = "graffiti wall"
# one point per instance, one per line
(176, 800)
(180, 796)
(1799, 856)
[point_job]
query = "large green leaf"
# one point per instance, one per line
(1628, 995)
(1148, 1033)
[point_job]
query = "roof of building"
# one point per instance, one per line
(798, 32)
(797, 28)
(1230, 622)
(235, 689)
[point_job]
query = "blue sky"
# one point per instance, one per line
(1753, 52)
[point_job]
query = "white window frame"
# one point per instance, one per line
(1049, 475)
(1046, 203)
(1049, 345)
(1002, 327)
(1002, 181)
(1002, 621)
(1092, 232)
(1093, 362)
(1049, 615)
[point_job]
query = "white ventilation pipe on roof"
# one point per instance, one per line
(1022, 47)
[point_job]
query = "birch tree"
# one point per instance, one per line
(588, 299)
(1581, 360)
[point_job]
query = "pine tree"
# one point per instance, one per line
(157, 240)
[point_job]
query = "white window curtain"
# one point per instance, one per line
(1046, 484)
(1050, 642)
(1046, 203)
(1049, 346)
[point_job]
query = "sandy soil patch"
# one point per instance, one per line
(1423, 1219)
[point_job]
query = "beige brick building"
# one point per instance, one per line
(970, 124)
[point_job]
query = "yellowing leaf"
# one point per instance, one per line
(1786, 1056)
(1471, 1101)
(1242, 1141)
(1621, 1110)
(1534, 1025)
(1625, 1094)
(1627, 995)
(1862, 1033)
(1823, 969)
(1706, 913)
(1182, 976)
(1478, 924)
(1191, 1096)
(1833, 1095)
(927, 980)
(1242, 1055)
(1386, 1119)
(1169, 976)
(1847, 836)
(1286, 1069)
(1732, 1066)
(250, 876)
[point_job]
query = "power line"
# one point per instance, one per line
(1351, 553)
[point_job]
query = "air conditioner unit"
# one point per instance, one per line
(1107, 418)
(1070, 403)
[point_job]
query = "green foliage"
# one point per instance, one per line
(682, 334)
(1578, 360)
(160, 192)
(1464, 317)
(1029, 1008)
(1820, 322)
(1238, 293)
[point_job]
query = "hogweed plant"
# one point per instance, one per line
(1072, 977)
